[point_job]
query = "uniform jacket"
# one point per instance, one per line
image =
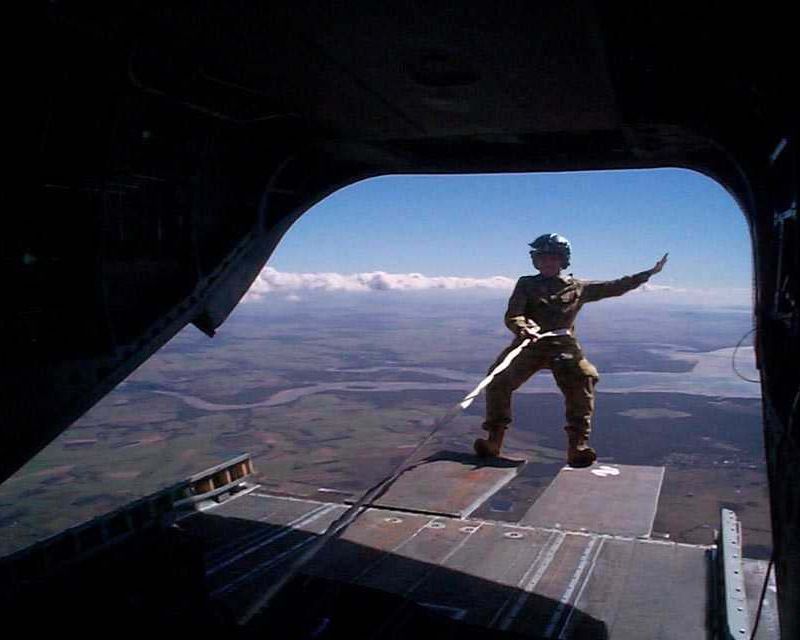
(553, 303)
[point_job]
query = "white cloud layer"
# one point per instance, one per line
(659, 288)
(272, 281)
(292, 286)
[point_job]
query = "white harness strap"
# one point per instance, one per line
(507, 361)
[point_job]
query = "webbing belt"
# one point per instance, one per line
(507, 361)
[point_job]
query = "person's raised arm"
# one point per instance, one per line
(593, 291)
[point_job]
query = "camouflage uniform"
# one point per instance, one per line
(552, 303)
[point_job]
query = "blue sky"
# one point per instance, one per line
(618, 222)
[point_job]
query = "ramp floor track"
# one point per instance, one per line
(533, 581)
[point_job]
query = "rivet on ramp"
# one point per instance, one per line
(514, 535)
(436, 525)
(467, 529)
(393, 520)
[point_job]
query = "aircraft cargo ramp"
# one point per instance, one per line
(581, 563)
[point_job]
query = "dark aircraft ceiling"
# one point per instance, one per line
(418, 86)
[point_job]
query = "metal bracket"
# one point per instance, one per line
(216, 482)
(737, 617)
(77, 543)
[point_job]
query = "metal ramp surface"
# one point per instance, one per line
(505, 579)
(615, 499)
(755, 572)
(217, 543)
(451, 484)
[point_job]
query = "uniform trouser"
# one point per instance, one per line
(574, 375)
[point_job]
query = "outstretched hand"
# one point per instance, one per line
(659, 265)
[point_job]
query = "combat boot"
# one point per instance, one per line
(490, 448)
(579, 453)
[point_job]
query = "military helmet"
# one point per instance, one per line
(552, 243)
